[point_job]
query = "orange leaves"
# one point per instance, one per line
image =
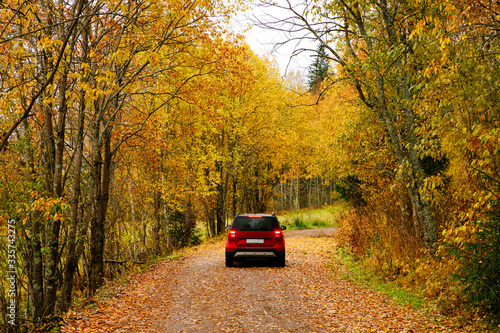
(197, 293)
(53, 209)
(352, 141)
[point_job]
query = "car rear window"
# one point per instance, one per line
(264, 223)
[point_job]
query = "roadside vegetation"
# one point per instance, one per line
(428, 284)
(358, 272)
(312, 218)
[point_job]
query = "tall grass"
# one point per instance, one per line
(355, 271)
(326, 217)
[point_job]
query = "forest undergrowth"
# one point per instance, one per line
(378, 255)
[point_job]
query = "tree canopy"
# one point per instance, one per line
(130, 128)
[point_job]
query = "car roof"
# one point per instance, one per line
(267, 215)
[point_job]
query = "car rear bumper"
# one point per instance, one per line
(254, 254)
(242, 254)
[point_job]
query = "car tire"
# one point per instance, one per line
(281, 260)
(229, 260)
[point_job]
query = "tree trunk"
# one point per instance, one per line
(416, 195)
(297, 194)
(220, 209)
(72, 255)
(220, 201)
(77, 227)
(34, 259)
(157, 223)
(414, 178)
(235, 210)
(189, 223)
(35, 270)
(51, 278)
(101, 177)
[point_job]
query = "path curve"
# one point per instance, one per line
(199, 294)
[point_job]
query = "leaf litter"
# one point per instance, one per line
(197, 293)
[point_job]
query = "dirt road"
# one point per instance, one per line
(199, 294)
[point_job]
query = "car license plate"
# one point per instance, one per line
(255, 241)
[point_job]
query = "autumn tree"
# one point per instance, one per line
(428, 74)
(226, 135)
(76, 74)
(462, 84)
(44, 37)
(370, 42)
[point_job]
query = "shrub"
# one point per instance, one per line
(350, 191)
(180, 234)
(479, 270)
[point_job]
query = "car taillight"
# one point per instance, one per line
(278, 234)
(232, 234)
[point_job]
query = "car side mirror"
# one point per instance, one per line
(228, 227)
(283, 227)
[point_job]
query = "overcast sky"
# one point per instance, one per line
(269, 41)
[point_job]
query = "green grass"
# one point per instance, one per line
(325, 217)
(356, 272)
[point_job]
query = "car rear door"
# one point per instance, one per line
(254, 231)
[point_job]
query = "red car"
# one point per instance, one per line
(255, 236)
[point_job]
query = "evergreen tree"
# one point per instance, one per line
(318, 70)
